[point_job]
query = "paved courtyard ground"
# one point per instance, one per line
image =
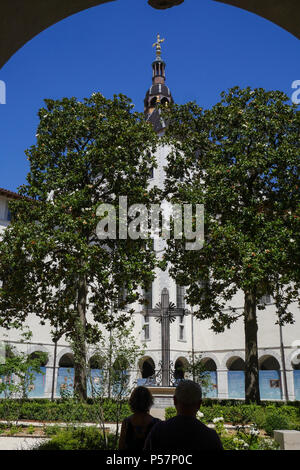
(19, 443)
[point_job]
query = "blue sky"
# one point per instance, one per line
(210, 47)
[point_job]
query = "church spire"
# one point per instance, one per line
(158, 66)
(158, 92)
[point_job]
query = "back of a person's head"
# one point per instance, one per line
(188, 393)
(140, 400)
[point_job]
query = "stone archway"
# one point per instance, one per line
(21, 21)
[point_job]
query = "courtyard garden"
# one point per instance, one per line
(72, 425)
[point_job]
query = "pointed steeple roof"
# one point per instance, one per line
(158, 92)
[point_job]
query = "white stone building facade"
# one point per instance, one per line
(222, 353)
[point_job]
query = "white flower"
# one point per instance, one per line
(254, 432)
(200, 415)
(217, 420)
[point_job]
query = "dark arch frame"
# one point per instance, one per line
(21, 21)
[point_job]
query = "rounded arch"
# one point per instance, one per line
(36, 348)
(67, 360)
(268, 362)
(42, 355)
(209, 364)
(120, 363)
(96, 361)
(165, 101)
(22, 21)
(235, 363)
(212, 357)
(153, 102)
(291, 360)
(146, 367)
(61, 353)
(295, 360)
(180, 366)
(229, 356)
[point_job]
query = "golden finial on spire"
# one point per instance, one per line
(158, 45)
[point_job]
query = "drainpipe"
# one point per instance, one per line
(54, 370)
(286, 394)
(193, 348)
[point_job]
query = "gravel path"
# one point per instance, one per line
(19, 443)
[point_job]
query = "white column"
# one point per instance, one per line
(48, 381)
(290, 384)
(222, 377)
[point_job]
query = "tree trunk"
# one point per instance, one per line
(80, 378)
(252, 394)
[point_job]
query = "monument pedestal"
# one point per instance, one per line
(163, 396)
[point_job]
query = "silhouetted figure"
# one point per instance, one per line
(184, 432)
(136, 428)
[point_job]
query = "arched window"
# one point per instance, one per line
(268, 363)
(269, 378)
(65, 378)
(148, 368)
(210, 389)
(235, 363)
(147, 371)
(95, 376)
(180, 367)
(296, 372)
(209, 364)
(179, 370)
(36, 387)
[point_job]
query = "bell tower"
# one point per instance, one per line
(158, 92)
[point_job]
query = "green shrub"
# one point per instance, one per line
(79, 439)
(275, 421)
(51, 430)
(69, 411)
(285, 416)
(170, 412)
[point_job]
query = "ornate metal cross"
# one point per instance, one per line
(165, 312)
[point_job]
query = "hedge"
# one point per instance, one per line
(267, 417)
(68, 411)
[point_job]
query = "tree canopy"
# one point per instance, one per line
(241, 160)
(52, 261)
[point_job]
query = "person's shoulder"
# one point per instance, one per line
(127, 420)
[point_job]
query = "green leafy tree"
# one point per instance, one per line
(18, 372)
(115, 358)
(196, 370)
(52, 261)
(241, 160)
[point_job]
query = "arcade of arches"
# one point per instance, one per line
(224, 383)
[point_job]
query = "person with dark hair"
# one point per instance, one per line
(184, 432)
(136, 427)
